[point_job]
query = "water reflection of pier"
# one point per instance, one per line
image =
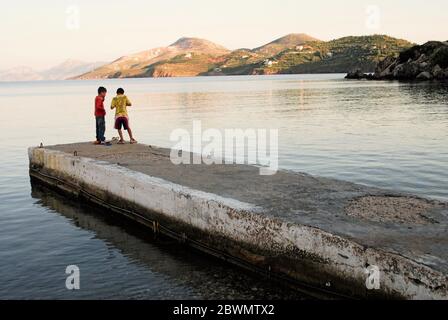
(208, 277)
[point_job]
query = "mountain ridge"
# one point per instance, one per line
(290, 40)
(292, 53)
(67, 69)
(137, 65)
(20, 73)
(189, 56)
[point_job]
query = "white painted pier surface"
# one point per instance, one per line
(311, 230)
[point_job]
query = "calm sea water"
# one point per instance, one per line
(384, 134)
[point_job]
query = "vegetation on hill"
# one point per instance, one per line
(294, 53)
(184, 65)
(289, 41)
(336, 56)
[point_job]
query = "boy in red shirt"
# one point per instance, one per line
(100, 114)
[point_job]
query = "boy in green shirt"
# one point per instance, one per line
(120, 104)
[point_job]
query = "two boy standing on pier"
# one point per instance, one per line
(120, 103)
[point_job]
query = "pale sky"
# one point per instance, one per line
(44, 33)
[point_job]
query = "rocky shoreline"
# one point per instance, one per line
(425, 62)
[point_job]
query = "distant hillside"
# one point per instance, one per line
(68, 69)
(344, 54)
(20, 74)
(185, 57)
(283, 43)
(65, 70)
(294, 53)
(336, 56)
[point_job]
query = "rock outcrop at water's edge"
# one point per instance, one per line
(359, 75)
(425, 62)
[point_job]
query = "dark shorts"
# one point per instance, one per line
(121, 122)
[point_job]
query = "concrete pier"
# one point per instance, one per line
(310, 231)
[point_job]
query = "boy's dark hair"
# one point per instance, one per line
(120, 91)
(101, 90)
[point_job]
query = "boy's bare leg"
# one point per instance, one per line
(120, 133)
(130, 136)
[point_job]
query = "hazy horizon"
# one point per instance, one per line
(41, 35)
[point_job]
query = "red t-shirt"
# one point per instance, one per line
(99, 107)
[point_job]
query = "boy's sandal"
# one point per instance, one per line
(133, 141)
(121, 142)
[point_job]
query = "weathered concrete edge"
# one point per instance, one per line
(243, 223)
